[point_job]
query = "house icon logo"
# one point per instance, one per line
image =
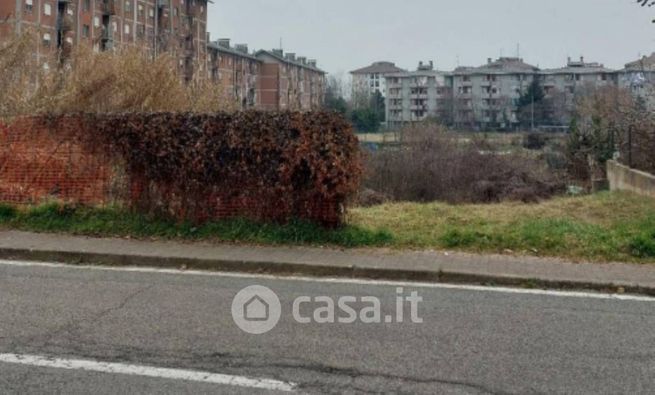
(256, 309)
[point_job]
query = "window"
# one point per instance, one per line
(47, 9)
(46, 39)
(151, 12)
(29, 5)
(140, 31)
(127, 28)
(96, 21)
(86, 31)
(141, 11)
(86, 5)
(128, 6)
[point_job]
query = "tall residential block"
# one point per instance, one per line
(287, 82)
(414, 96)
(237, 72)
(371, 79)
(639, 77)
(175, 26)
(487, 96)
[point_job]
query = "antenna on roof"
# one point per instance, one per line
(281, 47)
(518, 50)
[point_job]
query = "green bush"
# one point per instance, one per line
(7, 212)
(643, 246)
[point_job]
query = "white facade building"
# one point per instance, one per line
(371, 79)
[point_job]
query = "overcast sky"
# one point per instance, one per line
(347, 34)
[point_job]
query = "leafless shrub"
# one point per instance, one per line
(433, 164)
(127, 80)
(608, 121)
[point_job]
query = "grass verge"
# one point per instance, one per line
(602, 227)
(118, 222)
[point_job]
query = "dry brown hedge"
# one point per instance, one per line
(262, 165)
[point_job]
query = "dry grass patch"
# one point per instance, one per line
(602, 227)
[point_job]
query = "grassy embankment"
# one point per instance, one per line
(602, 227)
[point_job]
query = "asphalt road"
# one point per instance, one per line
(471, 341)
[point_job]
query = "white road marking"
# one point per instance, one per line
(408, 284)
(147, 371)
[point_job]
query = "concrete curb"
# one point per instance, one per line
(307, 269)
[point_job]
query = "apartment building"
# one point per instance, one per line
(237, 71)
(287, 82)
(175, 26)
(417, 95)
(267, 79)
(576, 75)
(486, 96)
(639, 78)
(561, 85)
(371, 79)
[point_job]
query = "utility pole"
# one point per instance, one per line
(630, 146)
(532, 108)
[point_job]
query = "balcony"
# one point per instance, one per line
(418, 107)
(64, 23)
(107, 39)
(108, 7)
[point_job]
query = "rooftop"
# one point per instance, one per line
(423, 70)
(646, 63)
(223, 45)
(290, 58)
(503, 65)
(378, 67)
(579, 67)
(508, 65)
